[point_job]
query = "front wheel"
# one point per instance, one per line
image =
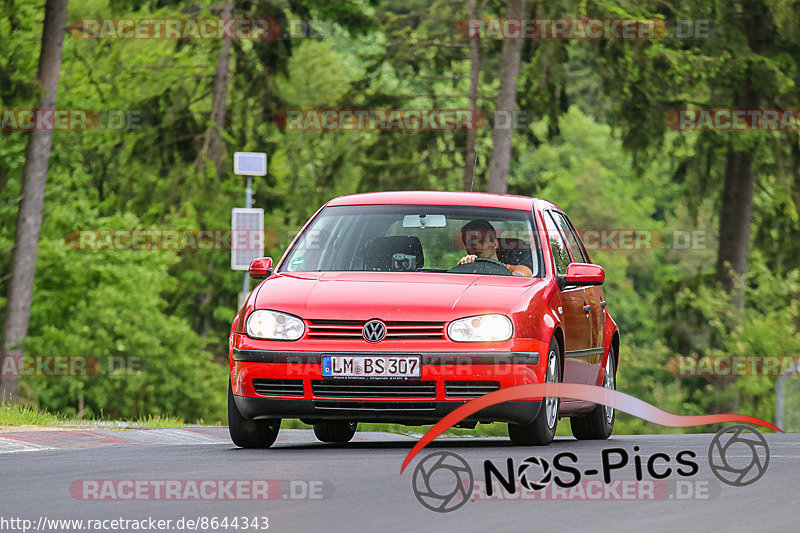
(542, 430)
(250, 433)
(599, 423)
(335, 431)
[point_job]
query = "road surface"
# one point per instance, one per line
(358, 487)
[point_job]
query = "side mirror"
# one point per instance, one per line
(581, 275)
(260, 268)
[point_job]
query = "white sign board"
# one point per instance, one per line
(247, 236)
(250, 164)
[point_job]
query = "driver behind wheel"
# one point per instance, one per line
(480, 240)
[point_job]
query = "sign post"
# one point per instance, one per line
(247, 225)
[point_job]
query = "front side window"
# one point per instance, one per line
(414, 238)
(558, 247)
(578, 251)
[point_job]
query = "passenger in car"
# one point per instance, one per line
(480, 240)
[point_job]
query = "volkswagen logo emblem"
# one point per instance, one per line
(374, 331)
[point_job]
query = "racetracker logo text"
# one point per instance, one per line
(198, 489)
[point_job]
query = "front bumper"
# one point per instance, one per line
(410, 412)
(506, 369)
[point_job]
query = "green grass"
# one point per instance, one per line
(481, 430)
(14, 414)
(624, 425)
(293, 423)
(149, 421)
(495, 429)
(160, 421)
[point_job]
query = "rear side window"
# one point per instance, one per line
(557, 245)
(578, 251)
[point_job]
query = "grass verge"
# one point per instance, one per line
(14, 414)
(17, 414)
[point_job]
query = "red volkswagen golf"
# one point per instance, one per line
(401, 306)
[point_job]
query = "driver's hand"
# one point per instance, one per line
(467, 259)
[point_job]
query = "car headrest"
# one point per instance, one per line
(397, 253)
(508, 243)
(514, 252)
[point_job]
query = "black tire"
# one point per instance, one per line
(335, 431)
(250, 433)
(542, 430)
(599, 423)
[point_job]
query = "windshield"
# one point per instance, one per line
(417, 238)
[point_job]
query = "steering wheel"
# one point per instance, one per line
(482, 265)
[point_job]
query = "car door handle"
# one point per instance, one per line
(587, 308)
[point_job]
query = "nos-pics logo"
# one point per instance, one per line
(443, 481)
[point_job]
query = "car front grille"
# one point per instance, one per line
(352, 329)
(374, 405)
(279, 387)
(361, 388)
(469, 389)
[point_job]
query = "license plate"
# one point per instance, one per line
(370, 366)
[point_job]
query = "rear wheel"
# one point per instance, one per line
(598, 424)
(542, 430)
(250, 433)
(335, 431)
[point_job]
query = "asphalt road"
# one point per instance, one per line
(358, 487)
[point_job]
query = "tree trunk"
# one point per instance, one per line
(737, 193)
(3, 179)
(474, 79)
(734, 221)
(506, 105)
(737, 209)
(213, 147)
(34, 178)
(794, 151)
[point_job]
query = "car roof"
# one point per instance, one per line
(477, 199)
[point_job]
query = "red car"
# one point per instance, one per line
(401, 306)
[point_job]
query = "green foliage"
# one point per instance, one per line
(109, 305)
(598, 145)
(17, 414)
(585, 171)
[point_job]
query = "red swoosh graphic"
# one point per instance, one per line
(590, 393)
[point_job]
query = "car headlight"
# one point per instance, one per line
(483, 328)
(262, 324)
